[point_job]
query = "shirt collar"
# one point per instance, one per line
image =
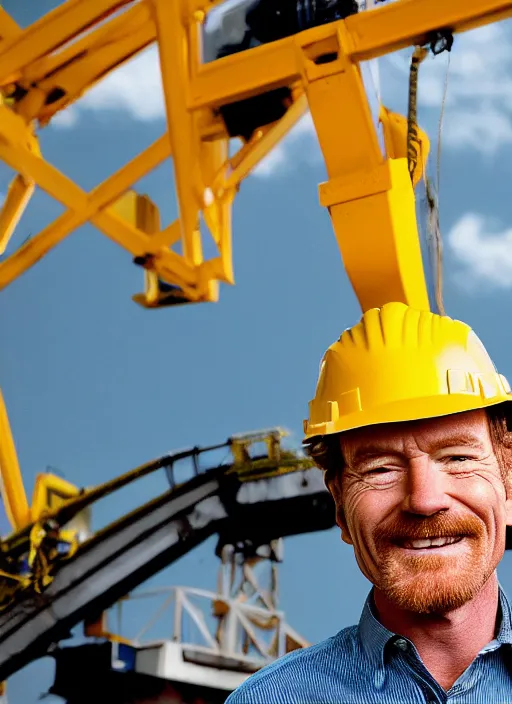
(374, 636)
(505, 614)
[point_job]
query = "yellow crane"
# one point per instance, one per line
(252, 90)
(254, 496)
(254, 94)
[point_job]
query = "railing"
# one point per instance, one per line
(205, 622)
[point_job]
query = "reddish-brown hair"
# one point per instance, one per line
(327, 455)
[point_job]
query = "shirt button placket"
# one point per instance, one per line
(403, 645)
(430, 697)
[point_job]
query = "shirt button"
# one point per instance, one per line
(402, 644)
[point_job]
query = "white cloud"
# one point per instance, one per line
(487, 129)
(299, 146)
(274, 161)
(479, 95)
(65, 118)
(135, 89)
(484, 253)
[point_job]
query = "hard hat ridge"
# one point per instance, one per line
(398, 364)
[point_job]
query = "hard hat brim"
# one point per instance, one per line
(405, 411)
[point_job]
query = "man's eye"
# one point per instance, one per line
(381, 476)
(381, 472)
(459, 458)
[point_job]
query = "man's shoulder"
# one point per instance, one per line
(289, 678)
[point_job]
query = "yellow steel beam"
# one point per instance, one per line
(67, 192)
(75, 79)
(18, 195)
(410, 22)
(52, 31)
(248, 73)
(184, 141)
(84, 207)
(50, 492)
(370, 35)
(101, 196)
(370, 198)
(79, 42)
(250, 155)
(87, 60)
(12, 489)
(108, 33)
(8, 27)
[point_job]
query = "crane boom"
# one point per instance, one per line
(104, 570)
(250, 502)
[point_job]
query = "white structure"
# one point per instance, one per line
(218, 639)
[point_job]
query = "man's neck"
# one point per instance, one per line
(447, 643)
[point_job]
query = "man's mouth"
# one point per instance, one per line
(430, 543)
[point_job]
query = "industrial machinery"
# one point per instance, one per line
(244, 76)
(250, 80)
(251, 500)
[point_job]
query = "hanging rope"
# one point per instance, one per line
(433, 223)
(413, 143)
(441, 42)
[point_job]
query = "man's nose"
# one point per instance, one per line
(426, 488)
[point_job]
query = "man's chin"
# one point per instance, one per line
(429, 594)
(428, 601)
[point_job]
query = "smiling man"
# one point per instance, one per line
(409, 423)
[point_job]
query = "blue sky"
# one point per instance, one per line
(95, 385)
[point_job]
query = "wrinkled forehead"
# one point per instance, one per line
(461, 429)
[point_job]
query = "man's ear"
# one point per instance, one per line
(508, 511)
(342, 523)
(508, 490)
(505, 459)
(333, 485)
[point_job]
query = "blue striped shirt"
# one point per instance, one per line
(367, 664)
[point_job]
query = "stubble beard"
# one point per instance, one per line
(428, 584)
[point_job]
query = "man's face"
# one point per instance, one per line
(425, 507)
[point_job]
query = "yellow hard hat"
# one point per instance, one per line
(400, 364)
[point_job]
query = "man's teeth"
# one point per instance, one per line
(431, 542)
